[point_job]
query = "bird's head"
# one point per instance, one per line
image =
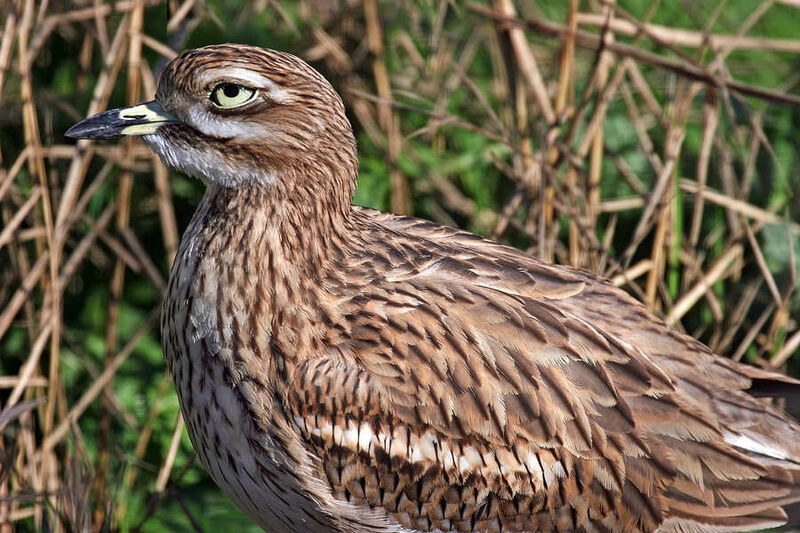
(241, 116)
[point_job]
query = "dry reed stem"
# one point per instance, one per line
(97, 386)
(12, 225)
(30, 364)
(400, 199)
(713, 275)
(527, 62)
(82, 154)
(642, 267)
(565, 96)
(789, 348)
(753, 332)
(7, 382)
(694, 39)
(36, 168)
(594, 133)
(117, 284)
(737, 317)
(691, 72)
(9, 32)
(169, 459)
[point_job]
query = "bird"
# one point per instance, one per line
(345, 370)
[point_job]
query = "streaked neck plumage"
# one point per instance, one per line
(273, 244)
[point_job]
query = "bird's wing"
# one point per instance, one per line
(468, 390)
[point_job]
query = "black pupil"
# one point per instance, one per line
(230, 90)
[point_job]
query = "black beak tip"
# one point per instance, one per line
(74, 132)
(88, 129)
(103, 126)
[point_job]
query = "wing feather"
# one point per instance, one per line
(478, 387)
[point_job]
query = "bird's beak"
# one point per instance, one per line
(142, 119)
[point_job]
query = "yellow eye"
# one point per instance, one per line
(227, 95)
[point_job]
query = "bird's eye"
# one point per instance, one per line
(228, 95)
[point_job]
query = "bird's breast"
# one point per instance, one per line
(216, 339)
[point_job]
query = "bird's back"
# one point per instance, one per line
(469, 387)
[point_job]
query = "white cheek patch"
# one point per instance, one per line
(225, 127)
(248, 78)
(209, 165)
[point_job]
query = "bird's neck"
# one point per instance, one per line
(264, 256)
(264, 261)
(297, 231)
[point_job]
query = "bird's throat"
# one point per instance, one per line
(250, 266)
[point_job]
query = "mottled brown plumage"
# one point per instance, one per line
(345, 370)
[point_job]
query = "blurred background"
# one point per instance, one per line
(654, 143)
